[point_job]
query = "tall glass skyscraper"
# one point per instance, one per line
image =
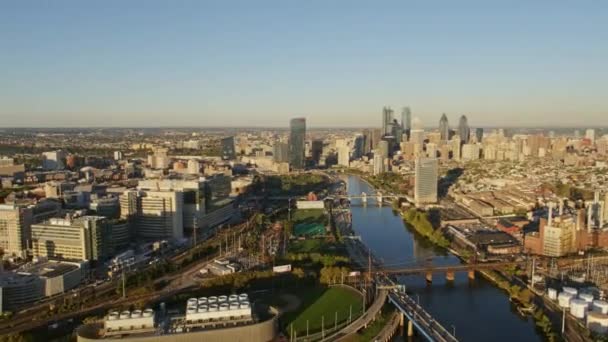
(463, 130)
(228, 151)
(425, 187)
(296, 142)
(444, 128)
(387, 121)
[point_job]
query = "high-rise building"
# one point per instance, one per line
(479, 134)
(154, 215)
(590, 134)
(470, 152)
(383, 149)
(463, 129)
(344, 156)
(82, 238)
(406, 119)
(159, 159)
(280, 152)
(15, 222)
(316, 150)
(444, 128)
(417, 133)
(228, 150)
(387, 121)
(378, 164)
(296, 142)
(425, 188)
(358, 146)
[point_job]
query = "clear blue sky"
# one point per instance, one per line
(245, 63)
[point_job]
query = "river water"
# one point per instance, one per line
(476, 310)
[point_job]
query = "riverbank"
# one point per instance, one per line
(520, 297)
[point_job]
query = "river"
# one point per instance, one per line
(476, 310)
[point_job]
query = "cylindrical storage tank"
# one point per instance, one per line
(203, 308)
(597, 322)
(125, 314)
(587, 297)
(563, 299)
(600, 306)
(552, 293)
(212, 299)
(192, 310)
(570, 290)
(148, 313)
(243, 296)
(234, 306)
(222, 299)
(192, 301)
(224, 306)
(113, 315)
(244, 305)
(213, 307)
(136, 314)
(233, 298)
(202, 300)
(578, 308)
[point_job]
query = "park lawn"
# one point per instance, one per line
(319, 303)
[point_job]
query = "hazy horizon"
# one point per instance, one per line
(248, 64)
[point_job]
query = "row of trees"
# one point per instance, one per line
(420, 222)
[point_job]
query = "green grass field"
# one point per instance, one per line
(318, 303)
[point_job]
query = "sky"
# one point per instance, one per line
(337, 63)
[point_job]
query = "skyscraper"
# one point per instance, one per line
(228, 151)
(317, 150)
(417, 134)
(406, 119)
(463, 129)
(296, 142)
(425, 188)
(444, 128)
(387, 121)
(479, 134)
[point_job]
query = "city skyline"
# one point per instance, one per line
(251, 65)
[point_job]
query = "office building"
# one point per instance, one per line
(81, 238)
(159, 158)
(316, 150)
(470, 152)
(590, 134)
(194, 167)
(154, 215)
(464, 131)
(15, 222)
(228, 150)
(296, 143)
(417, 134)
(444, 128)
(358, 146)
(479, 134)
(117, 155)
(53, 160)
(406, 120)
(344, 156)
(387, 121)
(280, 152)
(378, 164)
(425, 188)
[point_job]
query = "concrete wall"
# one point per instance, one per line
(259, 332)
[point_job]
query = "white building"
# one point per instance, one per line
(425, 189)
(53, 160)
